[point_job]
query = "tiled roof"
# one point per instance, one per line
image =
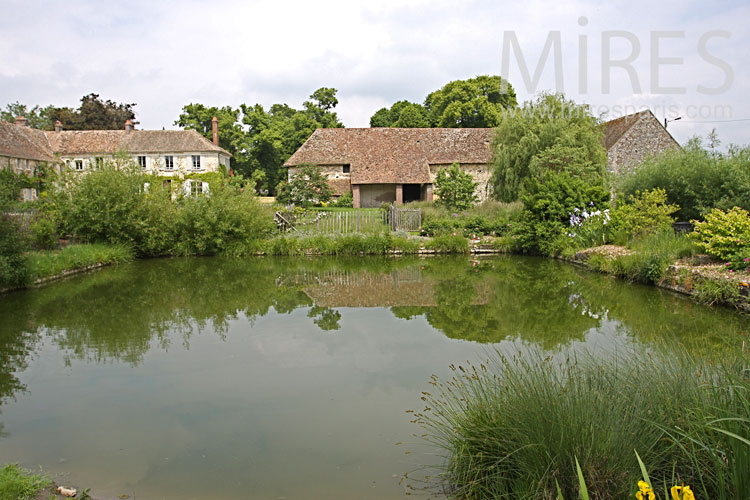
(614, 129)
(389, 155)
(23, 142)
(138, 141)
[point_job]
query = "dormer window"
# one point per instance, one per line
(346, 168)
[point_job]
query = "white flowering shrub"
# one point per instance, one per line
(589, 226)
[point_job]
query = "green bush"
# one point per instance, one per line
(44, 233)
(515, 426)
(725, 235)
(695, 179)
(548, 203)
(346, 200)
(642, 214)
(13, 270)
(455, 188)
(227, 221)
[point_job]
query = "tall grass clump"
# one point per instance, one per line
(653, 254)
(18, 484)
(514, 428)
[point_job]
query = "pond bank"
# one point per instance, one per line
(698, 277)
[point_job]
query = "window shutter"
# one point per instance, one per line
(205, 188)
(186, 188)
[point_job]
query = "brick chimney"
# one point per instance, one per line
(58, 126)
(129, 126)
(20, 121)
(215, 128)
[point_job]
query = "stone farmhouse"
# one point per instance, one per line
(169, 153)
(399, 165)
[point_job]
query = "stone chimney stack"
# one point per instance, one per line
(58, 126)
(20, 121)
(215, 128)
(129, 126)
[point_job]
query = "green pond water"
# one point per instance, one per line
(286, 378)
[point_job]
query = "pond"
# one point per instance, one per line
(286, 378)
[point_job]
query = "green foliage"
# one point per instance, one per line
(36, 117)
(402, 114)
(476, 102)
(550, 134)
(306, 187)
(118, 204)
(228, 221)
(20, 484)
(696, 179)
(517, 426)
(447, 243)
(92, 114)
(455, 188)
(346, 200)
(44, 232)
(725, 235)
(643, 214)
(43, 264)
(487, 218)
(472, 103)
(195, 116)
(547, 205)
(262, 140)
(13, 270)
(652, 256)
(716, 291)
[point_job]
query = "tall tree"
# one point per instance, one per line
(262, 140)
(476, 102)
(199, 118)
(94, 114)
(403, 114)
(549, 134)
(36, 117)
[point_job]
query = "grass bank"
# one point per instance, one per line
(44, 265)
(515, 426)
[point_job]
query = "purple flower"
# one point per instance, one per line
(728, 264)
(591, 203)
(747, 259)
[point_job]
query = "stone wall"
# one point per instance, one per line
(645, 138)
(329, 171)
(481, 173)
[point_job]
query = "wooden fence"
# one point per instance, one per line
(348, 221)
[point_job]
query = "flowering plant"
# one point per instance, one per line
(588, 226)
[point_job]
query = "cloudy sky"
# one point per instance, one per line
(689, 58)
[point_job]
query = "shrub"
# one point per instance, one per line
(228, 221)
(695, 179)
(725, 235)
(306, 187)
(547, 205)
(642, 214)
(44, 233)
(589, 226)
(455, 188)
(344, 201)
(13, 270)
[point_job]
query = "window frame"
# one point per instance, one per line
(169, 162)
(196, 188)
(346, 168)
(143, 163)
(78, 165)
(196, 159)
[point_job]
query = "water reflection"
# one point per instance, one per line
(122, 313)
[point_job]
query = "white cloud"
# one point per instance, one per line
(163, 55)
